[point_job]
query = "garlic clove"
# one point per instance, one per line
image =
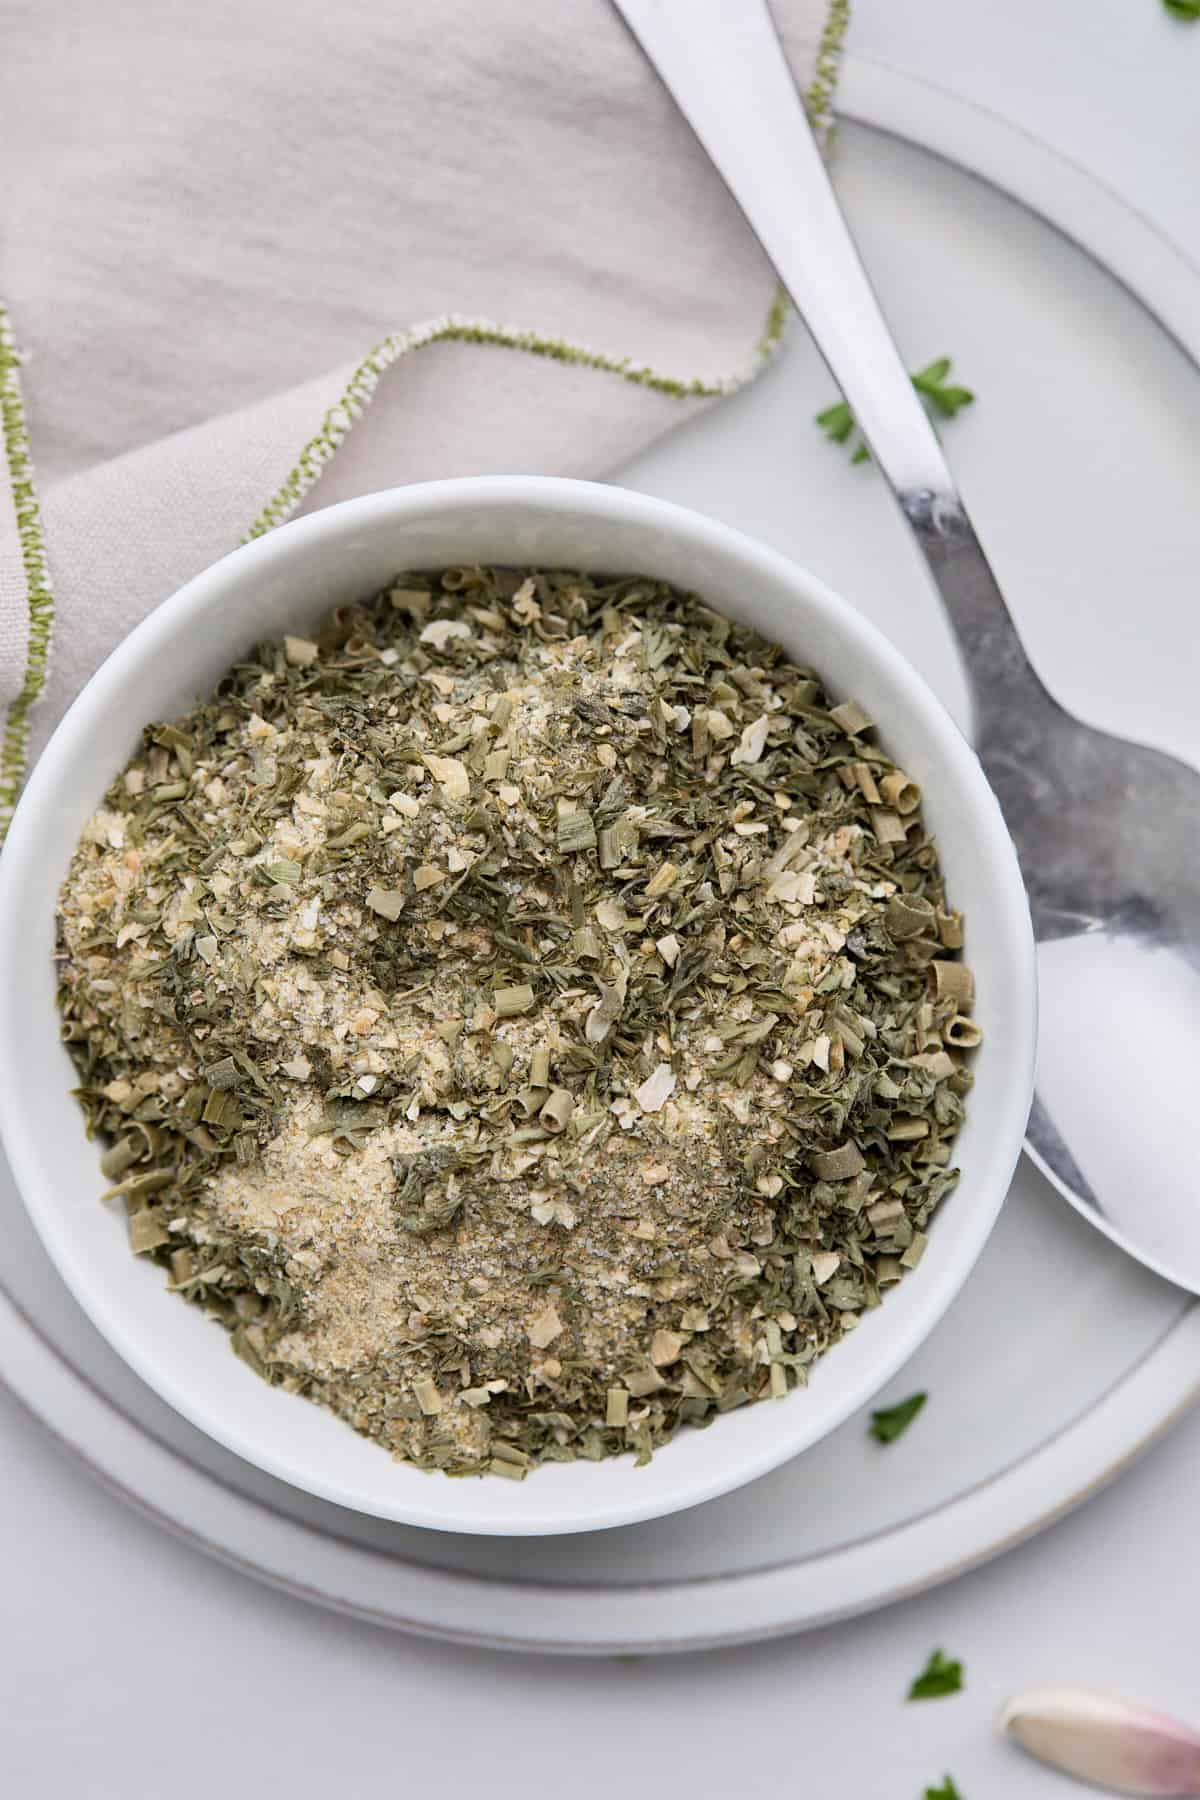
(1125, 1748)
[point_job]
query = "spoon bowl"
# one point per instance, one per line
(1106, 834)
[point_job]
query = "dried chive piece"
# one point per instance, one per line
(556, 1113)
(915, 1251)
(837, 1165)
(899, 792)
(860, 773)
(949, 929)
(888, 826)
(618, 842)
(616, 1409)
(576, 909)
(905, 1128)
(182, 1265)
(952, 981)
(576, 832)
(502, 1451)
(222, 1109)
(512, 1471)
(908, 917)
(119, 1157)
(150, 1181)
(852, 718)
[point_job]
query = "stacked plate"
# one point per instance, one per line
(1076, 324)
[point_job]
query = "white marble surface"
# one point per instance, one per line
(131, 1666)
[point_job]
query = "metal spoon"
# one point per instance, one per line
(1108, 832)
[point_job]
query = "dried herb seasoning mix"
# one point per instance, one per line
(526, 1015)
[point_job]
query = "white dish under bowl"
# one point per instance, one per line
(286, 581)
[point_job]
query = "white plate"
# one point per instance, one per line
(1061, 1361)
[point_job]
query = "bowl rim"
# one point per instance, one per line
(607, 503)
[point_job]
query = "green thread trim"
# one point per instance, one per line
(818, 104)
(819, 98)
(14, 741)
(360, 389)
(772, 334)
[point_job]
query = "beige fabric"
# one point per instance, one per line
(216, 211)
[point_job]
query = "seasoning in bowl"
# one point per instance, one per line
(527, 1015)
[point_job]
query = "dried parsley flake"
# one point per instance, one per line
(891, 1422)
(526, 1013)
(941, 1676)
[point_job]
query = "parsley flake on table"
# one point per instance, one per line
(942, 398)
(1183, 9)
(891, 1422)
(947, 1791)
(942, 1675)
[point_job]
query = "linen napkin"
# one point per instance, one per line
(262, 255)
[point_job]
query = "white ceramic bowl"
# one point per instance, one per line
(286, 581)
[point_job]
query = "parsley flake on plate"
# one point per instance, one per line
(891, 1422)
(943, 399)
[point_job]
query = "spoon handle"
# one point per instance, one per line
(723, 65)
